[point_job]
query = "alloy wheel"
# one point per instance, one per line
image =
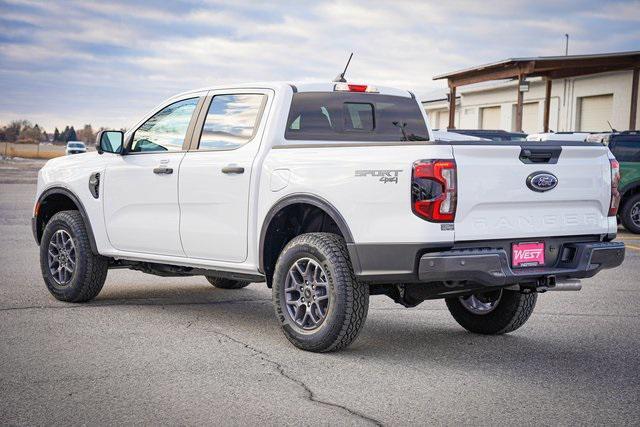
(306, 293)
(481, 303)
(62, 257)
(635, 214)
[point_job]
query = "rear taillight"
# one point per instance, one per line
(434, 190)
(615, 194)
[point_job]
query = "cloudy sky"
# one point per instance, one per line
(108, 62)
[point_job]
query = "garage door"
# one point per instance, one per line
(443, 119)
(530, 117)
(434, 118)
(595, 111)
(490, 118)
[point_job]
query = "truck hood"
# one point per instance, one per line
(67, 171)
(90, 158)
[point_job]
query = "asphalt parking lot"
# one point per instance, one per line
(152, 350)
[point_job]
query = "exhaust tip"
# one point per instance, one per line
(562, 285)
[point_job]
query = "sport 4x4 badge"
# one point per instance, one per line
(385, 175)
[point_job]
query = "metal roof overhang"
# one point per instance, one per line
(552, 67)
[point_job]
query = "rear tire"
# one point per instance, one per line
(497, 312)
(71, 271)
(317, 299)
(222, 283)
(630, 214)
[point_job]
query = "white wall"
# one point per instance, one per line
(565, 96)
(618, 84)
(438, 114)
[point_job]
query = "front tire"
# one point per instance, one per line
(492, 313)
(630, 214)
(71, 271)
(318, 301)
(222, 283)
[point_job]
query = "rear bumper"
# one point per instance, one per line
(487, 262)
(491, 267)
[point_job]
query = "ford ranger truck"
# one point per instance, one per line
(329, 193)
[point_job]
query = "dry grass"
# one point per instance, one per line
(31, 151)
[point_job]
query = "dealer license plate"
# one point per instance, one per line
(529, 254)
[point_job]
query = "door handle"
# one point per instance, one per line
(163, 170)
(531, 154)
(233, 169)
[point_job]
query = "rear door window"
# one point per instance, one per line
(348, 116)
(231, 121)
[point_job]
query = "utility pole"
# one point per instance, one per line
(566, 45)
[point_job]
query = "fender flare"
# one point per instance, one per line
(76, 200)
(307, 198)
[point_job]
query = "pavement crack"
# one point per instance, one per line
(191, 322)
(308, 393)
(621, 316)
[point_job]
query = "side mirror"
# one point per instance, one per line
(110, 141)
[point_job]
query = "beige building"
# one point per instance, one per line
(587, 102)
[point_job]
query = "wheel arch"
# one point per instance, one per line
(628, 191)
(299, 199)
(54, 200)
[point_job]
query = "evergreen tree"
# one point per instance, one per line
(65, 134)
(71, 135)
(56, 135)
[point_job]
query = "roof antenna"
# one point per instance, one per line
(612, 129)
(340, 77)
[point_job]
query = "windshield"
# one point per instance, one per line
(348, 116)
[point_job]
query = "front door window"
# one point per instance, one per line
(165, 130)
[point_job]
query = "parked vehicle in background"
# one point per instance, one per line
(558, 136)
(75, 147)
(329, 193)
(625, 146)
(443, 135)
(492, 134)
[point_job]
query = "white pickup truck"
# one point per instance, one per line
(329, 193)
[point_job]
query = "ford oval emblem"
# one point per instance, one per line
(542, 181)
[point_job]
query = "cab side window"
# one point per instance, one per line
(165, 130)
(231, 121)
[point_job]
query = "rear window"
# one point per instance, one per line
(347, 116)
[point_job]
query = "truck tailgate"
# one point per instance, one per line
(495, 202)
